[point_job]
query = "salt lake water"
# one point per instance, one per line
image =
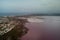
(49, 29)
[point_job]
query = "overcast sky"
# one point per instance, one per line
(30, 6)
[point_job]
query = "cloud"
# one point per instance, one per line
(43, 6)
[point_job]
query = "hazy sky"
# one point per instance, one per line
(30, 6)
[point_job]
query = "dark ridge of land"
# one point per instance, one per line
(40, 14)
(54, 14)
(29, 14)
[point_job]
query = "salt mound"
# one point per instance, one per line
(35, 20)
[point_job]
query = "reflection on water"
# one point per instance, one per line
(47, 30)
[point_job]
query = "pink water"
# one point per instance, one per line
(47, 30)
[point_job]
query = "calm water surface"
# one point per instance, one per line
(49, 29)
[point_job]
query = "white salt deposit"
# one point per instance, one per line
(34, 20)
